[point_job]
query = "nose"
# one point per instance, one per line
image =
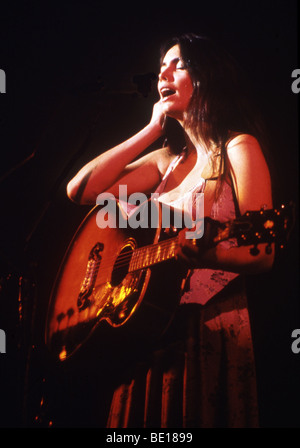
(165, 73)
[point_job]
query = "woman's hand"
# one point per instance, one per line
(103, 172)
(192, 251)
(187, 251)
(158, 118)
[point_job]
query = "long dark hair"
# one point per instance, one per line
(222, 101)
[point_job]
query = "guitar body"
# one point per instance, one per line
(94, 289)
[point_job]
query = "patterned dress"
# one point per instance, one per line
(202, 372)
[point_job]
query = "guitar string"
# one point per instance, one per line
(150, 250)
(124, 260)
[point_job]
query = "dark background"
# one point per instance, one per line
(75, 72)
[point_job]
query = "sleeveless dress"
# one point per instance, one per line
(202, 373)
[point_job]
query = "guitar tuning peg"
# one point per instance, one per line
(70, 312)
(254, 251)
(60, 317)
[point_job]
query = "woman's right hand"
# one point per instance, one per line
(158, 118)
(101, 173)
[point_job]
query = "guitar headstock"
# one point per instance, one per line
(261, 226)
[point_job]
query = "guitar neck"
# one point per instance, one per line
(147, 256)
(152, 254)
(253, 228)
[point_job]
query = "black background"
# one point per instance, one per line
(70, 70)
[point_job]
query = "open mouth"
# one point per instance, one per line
(165, 92)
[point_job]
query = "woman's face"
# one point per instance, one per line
(174, 84)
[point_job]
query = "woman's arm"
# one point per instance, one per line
(252, 185)
(107, 169)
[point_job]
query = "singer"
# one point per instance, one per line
(202, 371)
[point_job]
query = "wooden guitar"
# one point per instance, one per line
(127, 280)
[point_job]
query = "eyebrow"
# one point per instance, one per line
(174, 61)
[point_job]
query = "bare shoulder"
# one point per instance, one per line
(245, 149)
(242, 142)
(249, 172)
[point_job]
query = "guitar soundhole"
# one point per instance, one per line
(121, 265)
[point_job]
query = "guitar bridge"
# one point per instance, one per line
(89, 280)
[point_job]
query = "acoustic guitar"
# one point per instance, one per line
(127, 280)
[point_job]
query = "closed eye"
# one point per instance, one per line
(177, 62)
(181, 65)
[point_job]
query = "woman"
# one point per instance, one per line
(202, 373)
